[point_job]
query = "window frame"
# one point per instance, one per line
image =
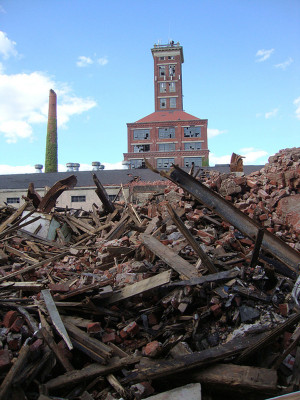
(193, 131)
(173, 102)
(163, 147)
(195, 146)
(163, 103)
(166, 133)
(135, 161)
(161, 86)
(166, 162)
(162, 70)
(78, 199)
(141, 134)
(172, 87)
(13, 200)
(192, 159)
(143, 146)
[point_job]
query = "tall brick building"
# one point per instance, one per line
(169, 135)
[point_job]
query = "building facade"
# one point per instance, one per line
(169, 135)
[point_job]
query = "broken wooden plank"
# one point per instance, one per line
(169, 257)
(257, 246)
(55, 317)
(162, 368)
(13, 217)
(89, 372)
(190, 238)
(218, 277)
(25, 286)
(103, 196)
(20, 254)
(141, 287)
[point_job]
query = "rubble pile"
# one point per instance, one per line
(270, 196)
(131, 301)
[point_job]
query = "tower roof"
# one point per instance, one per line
(164, 48)
(165, 116)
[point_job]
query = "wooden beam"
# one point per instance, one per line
(169, 257)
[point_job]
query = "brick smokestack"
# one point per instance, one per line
(51, 141)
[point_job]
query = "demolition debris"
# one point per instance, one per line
(194, 292)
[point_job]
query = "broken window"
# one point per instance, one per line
(162, 70)
(196, 160)
(162, 87)
(192, 131)
(166, 147)
(13, 200)
(172, 87)
(171, 70)
(78, 199)
(172, 102)
(170, 57)
(139, 134)
(164, 162)
(166, 133)
(140, 148)
(163, 103)
(192, 146)
(137, 163)
(161, 58)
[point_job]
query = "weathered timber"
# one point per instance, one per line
(256, 250)
(32, 267)
(89, 372)
(250, 294)
(174, 261)
(14, 371)
(159, 369)
(269, 338)
(118, 230)
(103, 196)
(234, 377)
(21, 254)
(141, 287)
(13, 217)
(25, 286)
(190, 238)
(218, 277)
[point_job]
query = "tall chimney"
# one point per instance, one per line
(51, 141)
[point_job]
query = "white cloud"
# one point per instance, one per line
(24, 102)
(285, 64)
(263, 55)
(214, 132)
(272, 113)
(7, 46)
(297, 104)
(102, 61)
(84, 61)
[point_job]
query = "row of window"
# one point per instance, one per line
(142, 148)
(163, 87)
(162, 69)
(172, 102)
(167, 162)
(163, 58)
(167, 133)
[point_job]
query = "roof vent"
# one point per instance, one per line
(69, 167)
(76, 166)
(38, 168)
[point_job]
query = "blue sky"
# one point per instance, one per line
(241, 72)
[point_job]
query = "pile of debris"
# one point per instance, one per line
(134, 302)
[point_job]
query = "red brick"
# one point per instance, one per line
(152, 349)
(109, 337)
(5, 359)
(152, 320)
(263, 217)
(94, 327)
(130, 330)
(17, 325)
(216, 310)
(283, 309)
(9, 318)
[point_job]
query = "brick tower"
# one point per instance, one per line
(169, 135)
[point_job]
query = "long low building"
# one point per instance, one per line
(14, 187)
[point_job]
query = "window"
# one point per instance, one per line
(162, 103)
(171, 70)
(141, 134)
(166, 147)
(192, 146)
(162, 70)
(162, 87)
(165, 162)
(140, 148)
(77, 199)
(192, 131)
(196, 160)
(172, 87)
(137, 163)
(170, 57)
(172, 102)
(166, 133)
(112, 197)
(161, 58)
(13, 200)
